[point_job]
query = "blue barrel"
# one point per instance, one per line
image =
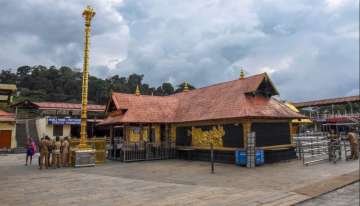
(260, 159)
(240, 157)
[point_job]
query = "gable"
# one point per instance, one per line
(110, 107)
(26, 104)
(265, 88)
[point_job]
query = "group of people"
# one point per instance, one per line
(53, 153)
(353, 139)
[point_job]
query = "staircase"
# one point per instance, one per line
(25, 128)
(32, 131)
(21, 134)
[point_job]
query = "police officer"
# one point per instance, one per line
(354, 143)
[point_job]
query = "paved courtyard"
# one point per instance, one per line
(168, 182)
(345, 196)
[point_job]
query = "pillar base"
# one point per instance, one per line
(84, 158)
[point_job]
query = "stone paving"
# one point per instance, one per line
(347, 196)
(167, 182)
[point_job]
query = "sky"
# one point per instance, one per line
(309, 48)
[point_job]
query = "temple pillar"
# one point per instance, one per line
(246, 131)
(292, 132)
(166, 132)
(141, 138)
(126, 133)
(150, 133)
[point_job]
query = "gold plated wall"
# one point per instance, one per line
(204, 138)
(134, 133)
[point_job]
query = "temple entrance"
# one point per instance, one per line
(140, 142)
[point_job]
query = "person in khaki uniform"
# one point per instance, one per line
(44, 152)
(65, 152)
(61, 152)
(56, 153)
(354, 143)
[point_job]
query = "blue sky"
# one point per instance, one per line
(309, 48)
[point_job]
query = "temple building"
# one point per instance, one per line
(7, 119)
(37, 119)
(235, 108)
(7, 130)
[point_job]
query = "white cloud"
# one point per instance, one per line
(309, 47)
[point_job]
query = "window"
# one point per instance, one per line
(75, 131)
(57, 130)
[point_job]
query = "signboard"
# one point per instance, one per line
(63, 121)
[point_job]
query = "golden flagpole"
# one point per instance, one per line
(88, 14)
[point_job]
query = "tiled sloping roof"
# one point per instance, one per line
(68, 106)
(113, 118)
(324, 102)
(145, 108)
(221, 101)
(6, 116)
(228, 101)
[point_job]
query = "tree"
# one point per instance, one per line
(63, 84)
(7, 77)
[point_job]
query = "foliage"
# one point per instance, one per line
(39, 83)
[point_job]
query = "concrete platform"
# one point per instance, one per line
(169, 182)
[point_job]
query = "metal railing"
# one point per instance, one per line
(324, 116)
(316, 147)
(142, 151)
(312, 147)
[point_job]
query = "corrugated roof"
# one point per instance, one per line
(324, 102)
(68, 106)
(220, 101)
(6, 116)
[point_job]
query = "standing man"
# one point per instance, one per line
(65, 152)
(44, 153)
(354, 143)
(40, 150)
(56, 153)
(29, 150)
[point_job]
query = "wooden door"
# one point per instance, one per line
(5, 139)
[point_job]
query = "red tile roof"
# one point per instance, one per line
(324, 102)
(220, 101)
(68, 106)
(6, 116)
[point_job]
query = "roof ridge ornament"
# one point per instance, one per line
(242, 73)
(186, 86)
(137, 91)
